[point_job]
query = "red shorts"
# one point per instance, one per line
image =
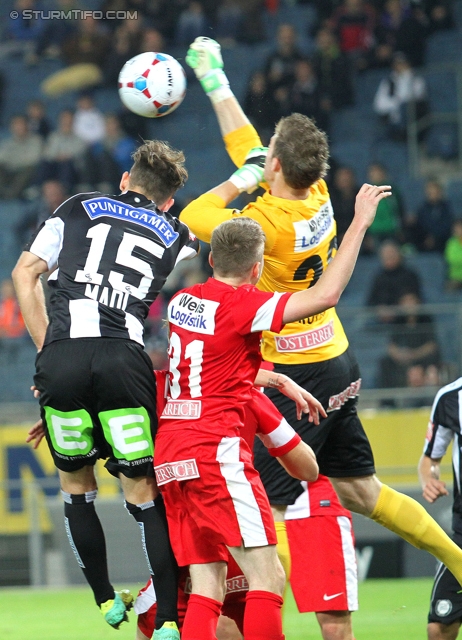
(233, 606)
(330, 544)
(213, 496)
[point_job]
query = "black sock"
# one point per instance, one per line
(161, 561)
(86, 538)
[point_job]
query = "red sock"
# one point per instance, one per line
(201, 619)
(262, 618)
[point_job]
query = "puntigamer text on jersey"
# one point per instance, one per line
(97, 207)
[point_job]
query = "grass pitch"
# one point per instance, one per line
(388, 609)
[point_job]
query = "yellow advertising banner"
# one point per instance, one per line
(20, 466)
(397, 439)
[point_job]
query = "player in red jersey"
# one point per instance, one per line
(262, 419)
(213, 495)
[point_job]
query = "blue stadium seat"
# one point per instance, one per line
(393, 155)
(366, 85)
(349, 125)
(412, 191)
(442, 90)
(458, 14)
(432, 270)
(353, 154)
(442, 141)
(444, 46)
(11, 212)
(206, 168)
(454, 195)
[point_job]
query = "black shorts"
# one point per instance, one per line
(98, 400)
(446, 598)
(340, 443)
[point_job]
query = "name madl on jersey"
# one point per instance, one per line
(108, 296)
(189, 312)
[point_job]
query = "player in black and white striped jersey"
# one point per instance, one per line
(111, 256)
(444, 427)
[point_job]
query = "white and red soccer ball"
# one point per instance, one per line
(152, 84)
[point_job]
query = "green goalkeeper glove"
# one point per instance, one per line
(249, 176)
(204, 57)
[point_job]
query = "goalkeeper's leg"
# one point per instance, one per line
(401, 514)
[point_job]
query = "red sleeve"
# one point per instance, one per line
(256, 311)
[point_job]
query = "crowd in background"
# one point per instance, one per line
(43, 162)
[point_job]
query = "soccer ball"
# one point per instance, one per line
(152, 84)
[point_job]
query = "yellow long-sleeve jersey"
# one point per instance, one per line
(300, 241)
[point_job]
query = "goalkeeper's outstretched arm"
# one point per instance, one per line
(204, 57)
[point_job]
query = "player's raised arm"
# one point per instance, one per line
(327, 291)
(204, 57)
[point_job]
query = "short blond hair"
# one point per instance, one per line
(236, 245)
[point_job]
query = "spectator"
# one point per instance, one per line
(393, 280)
(229, 22)
(151, 40)
(388, 222)
(402, 87)
(453, 256)
(192, 23)
(260, 106)
(55, 33)
(89, 123)
(440, 14)
(333, 69)
(62, 153)
(89, 45)
(280, 65)
(401, 27)
(305, 95)
(413, 34)
(253, 25)
(413, 355)
(36, 119)
(343, 192)
(106, 160)
(11, 321)
(354, 22)
(431, 227)
(12, 326)
(390, 20)
(125, 45)
(20, 154)
(23, 33)
(53, 194)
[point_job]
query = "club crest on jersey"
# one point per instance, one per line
(194, 314)
(310, 233)
(97, 207)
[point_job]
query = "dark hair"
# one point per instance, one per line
(158, 170)
(302, 149)
(236, 245)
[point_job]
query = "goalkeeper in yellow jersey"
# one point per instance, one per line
(298, 221)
